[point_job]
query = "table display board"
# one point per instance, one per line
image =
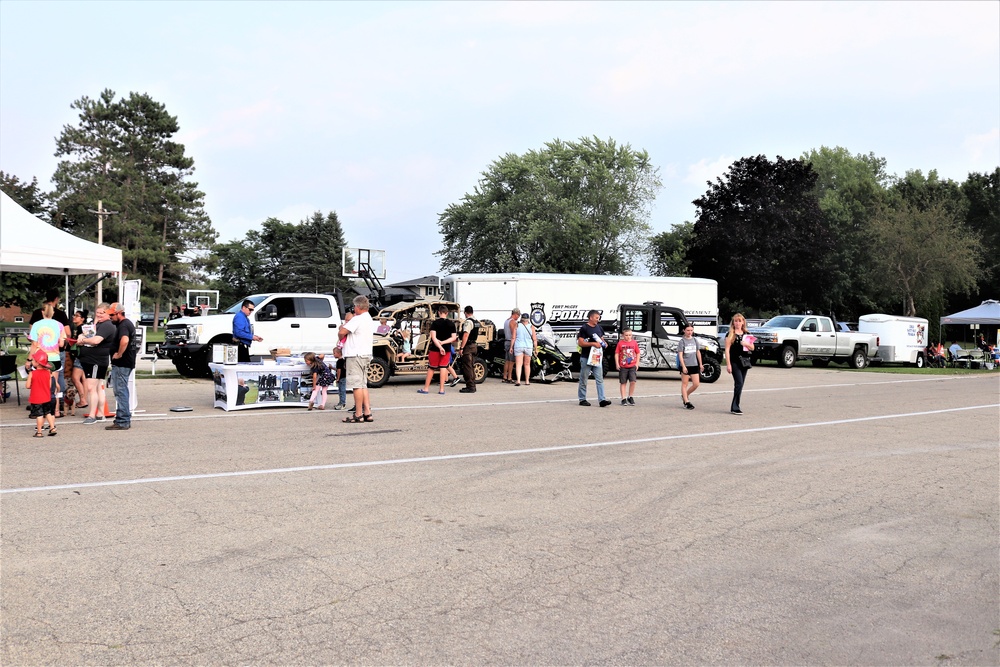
(264, 385)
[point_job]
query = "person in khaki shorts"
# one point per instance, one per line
(360, 333)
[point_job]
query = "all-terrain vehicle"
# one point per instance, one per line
(416, 318)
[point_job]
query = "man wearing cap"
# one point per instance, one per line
(122, 365)
(243, 334)
(468, 349)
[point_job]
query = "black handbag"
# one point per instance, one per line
(744, 361)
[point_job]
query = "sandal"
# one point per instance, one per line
(53, 432)
(367, 417)
(353, 419)
(83, 407)
(39, 434)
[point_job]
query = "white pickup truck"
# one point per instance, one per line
(787, 338)
(300, 322)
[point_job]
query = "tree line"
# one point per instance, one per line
(121, 152)
(829, 231)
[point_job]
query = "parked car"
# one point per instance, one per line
(722, 332)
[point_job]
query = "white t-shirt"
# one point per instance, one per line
(359, 341)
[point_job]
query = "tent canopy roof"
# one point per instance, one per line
(988, 312)
(31, 245)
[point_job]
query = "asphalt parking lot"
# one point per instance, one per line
(846, 518)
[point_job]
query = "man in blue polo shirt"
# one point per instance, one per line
(243, 331)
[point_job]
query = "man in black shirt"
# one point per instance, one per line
(122, 365)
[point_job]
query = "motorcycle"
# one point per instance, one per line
(549, 364)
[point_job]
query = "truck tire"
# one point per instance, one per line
(378, 372)
(479, 370)
(183, 366)
(711, 371)
(919, 363)
(787, 356)
(858, 359)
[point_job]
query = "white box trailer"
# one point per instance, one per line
(562, 300)
(902, 340)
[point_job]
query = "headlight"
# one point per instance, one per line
(194, 332)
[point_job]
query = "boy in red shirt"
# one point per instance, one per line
(626, 362)
(40, 399)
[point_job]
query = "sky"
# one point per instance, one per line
(389, 112)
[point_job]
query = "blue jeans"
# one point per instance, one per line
(585, 370)
(119, 384)
(342, 389)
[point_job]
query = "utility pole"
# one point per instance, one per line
(100, 237)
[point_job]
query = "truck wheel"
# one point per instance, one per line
(858, 359)
(920, 361)
(378, 372)
(479, 370)
(183, 366)
(821, 363)
(787, 356)
(712, 370)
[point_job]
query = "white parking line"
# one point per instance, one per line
(473, 455)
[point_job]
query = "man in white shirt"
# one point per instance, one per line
(360, 332)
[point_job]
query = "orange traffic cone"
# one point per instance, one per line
(107, 412)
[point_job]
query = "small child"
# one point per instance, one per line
(321, 379)
(406, 351)
(626, 362)
(341, 378)
(689, 356)
(40, 398)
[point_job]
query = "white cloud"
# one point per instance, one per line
(704, 170)
(986, 145)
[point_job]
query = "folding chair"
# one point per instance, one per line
(8, 372)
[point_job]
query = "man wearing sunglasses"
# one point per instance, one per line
(243, 334)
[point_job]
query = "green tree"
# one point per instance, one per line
(283, 257)
(571, 207)
(982, 191)
(760, 233)
(667, 252)
(924, 253)
(122, 153)
(849, 190)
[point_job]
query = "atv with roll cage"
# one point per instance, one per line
(416, 317)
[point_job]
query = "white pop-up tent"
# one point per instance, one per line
(988, 312)
(31, 245)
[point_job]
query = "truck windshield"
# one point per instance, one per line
(256, 298)
(784, 322)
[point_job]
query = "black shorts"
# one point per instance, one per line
(42, 409)
(94, 371)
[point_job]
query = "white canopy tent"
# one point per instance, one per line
(31, 245)
(988, 312)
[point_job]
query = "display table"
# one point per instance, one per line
(265, 385)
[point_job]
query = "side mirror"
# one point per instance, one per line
(269, 314)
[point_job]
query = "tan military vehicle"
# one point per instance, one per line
(415, 317)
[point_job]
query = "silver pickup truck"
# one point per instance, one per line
(787, 338)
